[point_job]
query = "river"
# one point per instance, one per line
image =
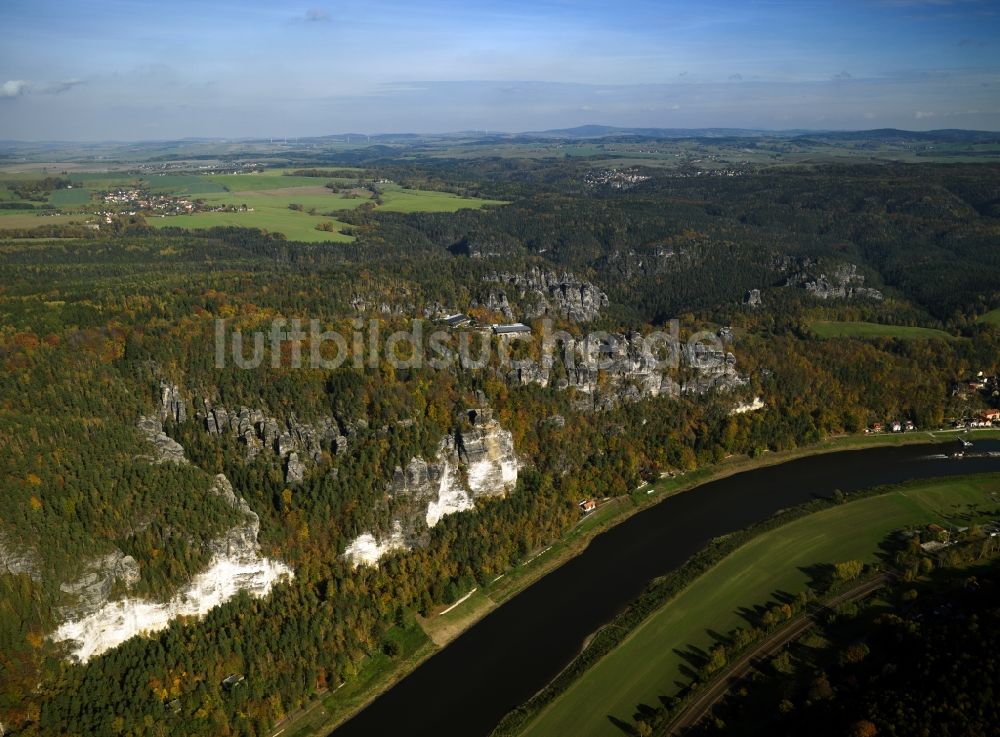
(501, 661)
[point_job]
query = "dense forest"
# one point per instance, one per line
(92, 325)
(920, 660)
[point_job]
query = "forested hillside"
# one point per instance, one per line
(94, 326)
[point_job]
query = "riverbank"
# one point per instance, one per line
(378, 676)
(652, 662)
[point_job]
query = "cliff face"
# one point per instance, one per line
(93, 623)
(546, 293)
(93, 589)
(476, 461)
(623, 369)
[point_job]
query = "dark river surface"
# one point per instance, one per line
(500, 662)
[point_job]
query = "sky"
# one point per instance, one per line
(167, 69)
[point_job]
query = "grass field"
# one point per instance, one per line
(22, 219)
(413, 200)
(992, 317)
(829, 329)
(649, 664)
(270, 195)
(297, 226)
(70, 197)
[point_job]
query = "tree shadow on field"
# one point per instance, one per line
(752, 615)
(719, 637)
(692, 655)
(784, 597)
(644, 711)
(820, 575)
(624, 726)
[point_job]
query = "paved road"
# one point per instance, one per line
(707, 698)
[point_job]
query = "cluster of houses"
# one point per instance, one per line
(981, 383)
(935, 537)
(984, 418)
(139, 201)
(894, 426)
(614, 178)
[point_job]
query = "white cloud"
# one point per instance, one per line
(14, 88)
(55, 88)
(19, 87)
(920, 115)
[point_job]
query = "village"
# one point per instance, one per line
(977, 390)
(138, 202)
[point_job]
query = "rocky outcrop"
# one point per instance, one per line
(752, 406)
(95, 624)
(658, 259)
(752, 298)
(171, 403)
(166, 449)
(295, 469)
(546, 293)
(839, 282)
(259, 433)
(93, 588)
(367, 549)
(496, 301)
(16, 561)
(623, 368)
(477, 460)
(240, 541)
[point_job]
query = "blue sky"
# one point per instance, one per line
(123, 69)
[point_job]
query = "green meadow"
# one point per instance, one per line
(297, 226)
(992, 317)
(649, 664)
(268, 198)
(868, 330)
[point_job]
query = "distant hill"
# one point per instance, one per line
(951, 135)
(604, 131)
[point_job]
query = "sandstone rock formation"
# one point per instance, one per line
(94, 624)
(166, 449)
(259, 433)
(842, 281)
(93, 588)
(15, 561)
(476, 461)
(623, 368)
(546, 293)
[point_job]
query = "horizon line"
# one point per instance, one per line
(486, 132)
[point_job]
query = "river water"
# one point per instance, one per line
(500, 662)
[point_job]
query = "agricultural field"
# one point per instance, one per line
(275, 201)
(650, 663)
(296, 226)
(867, 330)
